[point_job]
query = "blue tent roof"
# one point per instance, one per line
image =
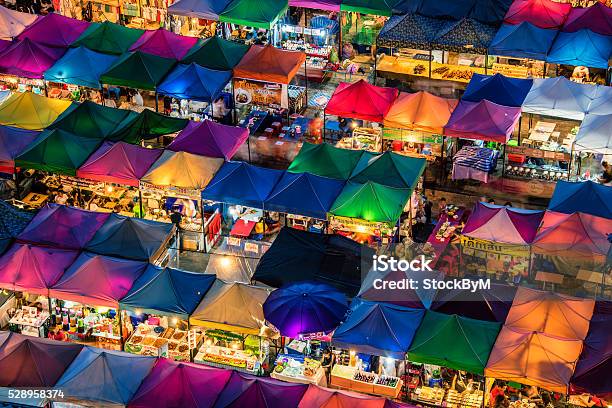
(586, 197)
(583, 47)
(561, 98)
(498, 89)
(522, 41)
(484, 11)
(378, 328)
(167, 290)
(304, 194)
(465, 35)
(242, 183)
(80, 66)
(205, 9)
(194, 82)
(131, 238)
(410, 30)
(12, 222)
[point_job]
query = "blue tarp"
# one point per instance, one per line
(583, 47)
(586, 197)
(378, 328)
(12, 222)
(242, 183)
(522, 41)
(485, 11)
(410, 30)
(499, 89)
(560, 98)
(304, 194)
(465, 35)
(167, 290)
(204, 9)
(194, 82)
(80, 66)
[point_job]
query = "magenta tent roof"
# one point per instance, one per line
(540, 13)
(28, 59)
(597, 18)
(483, 120)
(209, 139)
(164, 43)
(120, 163)
(329, 5)
(503, 224)
(55, 30)
(361, 100)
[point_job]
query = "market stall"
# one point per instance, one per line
(196, 18)
(216, 53)
(585, 197)
(325, 160)
(54, 30)
(148, 125)
(108, 38)
(499, 89)
(244, 389)
(81, 67)
(210, 139)
(163, 43)
(28, 59)
(27, 110)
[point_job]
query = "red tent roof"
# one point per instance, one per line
(540, 13)
(269, 64)
(361, 100)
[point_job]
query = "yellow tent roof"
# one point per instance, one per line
(182, 170)
(420, 111)
(30, 111)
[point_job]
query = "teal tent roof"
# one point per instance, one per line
(80, 66)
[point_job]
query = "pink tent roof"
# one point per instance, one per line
(164, 43)
(55, 30)
(503, 224)
(13, 22)
(361, 100)
(482, 120)
(33, 269)
(209, 139)
(97, 280)
(325, 397)
(597, 18)
(120, 163)
(28, 59)
(540, 13)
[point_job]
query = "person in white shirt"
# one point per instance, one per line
(137, 99)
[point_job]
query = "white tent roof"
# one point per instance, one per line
(594, 135)
(12, 22)
(559, 97)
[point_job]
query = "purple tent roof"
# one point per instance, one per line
(503, 224)
(13, 141)
(55, 30)
(209, 139)
(329, 5)
(28, 59)
(483, 120)
(597, 18)
(164, 43)
(180, 384)
(4, 44)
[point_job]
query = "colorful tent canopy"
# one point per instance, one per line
(597, 18)
(503, 224)
(559, 97)
(13, 141)
(207, 10)
(269, 64)
(164, 43)
(108, 38)
(28, 59)
(80, 66)
(465, 35)
(232, 306)
(325, 160)
(28, 268)
(167, 291)
(259, 392)
(361, 100)
(148, 124)
(409, 31)
(482, 11)
(216, 53)
(131, 238)
(120, 163)
(138, 70)
(389, 169)
(13, 22)
(376, 7)
(97, 280)
(378, 328)
(183, 170)
(583, 47)
(54, 30)
(303, 194)
(12, 221)
(194, 82)
(254, 13)
(104, 376)
(327, 397)
(328, 5)
(420, 111)
(498, 89)
(483, 120)
(211, 139)
(30, 111)
(594, 135)
(523, 40)
(540, 13)
(586, 197)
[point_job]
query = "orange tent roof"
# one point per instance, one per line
(269, 64)
(420, 111)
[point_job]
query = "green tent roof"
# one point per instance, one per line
(375, 7)
(57, 151)
(389, 169)
(371, 202)
(147, 125)
(325, 160)
(454, 341)
(255, 13)
(108, 38)
(216, 53)
(138, 70)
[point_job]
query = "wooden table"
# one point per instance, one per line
(549, 277)
(35, 199)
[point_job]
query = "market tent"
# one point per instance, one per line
(13, 141)
(303, 194)
(540, 13)
(244, 390)
(503, 224)
(13, 22)
(206, 10)
(420, 111)
(559, 97)
(594, 134)
(325, 160)
(328, 398)
(131, 238)
(498, 89)
(167, 291)
(523, 40)
(409, 31)
(601, 104)
(378, 328)
(597, 18)
(389, 169)
(586, 197)
(376, 7)
(30, 111)
(581, 48)
(216, 53)
(361, 100)
(104, 376)
(183, 170)
(232, 268)
(464, 35)
(328, 5)
(97, 280)
(80, 66)
(119, 162)
(483, 11)
(12, 221)
(453, 341)
(269, 64)
(210, 139)
(32, 362)
(32, 269)
(533, 358)
(483, 120)
(148, 124)
(182, 384)
(195, 83)
(54, 30)
(164, 43)
(108, 38)
(254, 13)
(484, 304)
(138, 70)
(28, 59)
(232, 306)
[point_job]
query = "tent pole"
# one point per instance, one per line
(234, 107)
(569, 166)
(140, 202)
(504, 162)
(119, 312)
(430, 58)
(486, 61)
(45, 88)
(324, 121)
(202, 216)
(375, 59)
(519, 129)
(306, 79)
(156, 101)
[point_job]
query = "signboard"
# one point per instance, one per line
(472, 246)
(538, 153)
(249, 92)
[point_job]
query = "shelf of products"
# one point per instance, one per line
(228, 357)
(455, 399)
(353, 379)
(535, 164)
(413, 143)
(362, 139)
(430, 395)
(298, 369)
(156, 341)
(30, 321)
(415, 67)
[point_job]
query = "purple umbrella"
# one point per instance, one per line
(305, 307)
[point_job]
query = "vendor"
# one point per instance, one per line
(499, 389)
(606, 175)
